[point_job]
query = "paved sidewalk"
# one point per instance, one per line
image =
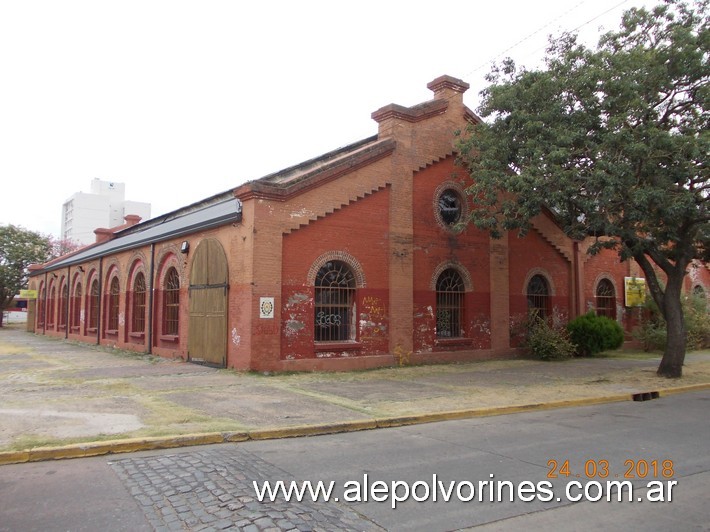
(63, 399)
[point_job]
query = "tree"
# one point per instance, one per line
(18, 249)
(614, 142)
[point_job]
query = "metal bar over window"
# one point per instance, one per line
(334, 300)
(449, 304)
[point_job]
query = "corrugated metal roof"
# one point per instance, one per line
(157, 230)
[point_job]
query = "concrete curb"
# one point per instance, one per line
(82, 450)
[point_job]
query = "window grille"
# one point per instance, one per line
(40, 307)
(334, 301)
(606, 299)
(171, 303)
(450, 207)
(113, 305)
(63, 297)
(93, 305)
(138, 311)
(50, 308)
(449, 304)
(76, 306)
(538, 294)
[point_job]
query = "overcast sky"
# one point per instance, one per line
(182, 100)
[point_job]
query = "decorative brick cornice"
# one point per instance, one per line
(411, 114)
(315, 177)
(448, 82)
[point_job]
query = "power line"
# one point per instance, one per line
(543, 27)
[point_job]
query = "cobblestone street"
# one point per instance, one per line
(212, 489)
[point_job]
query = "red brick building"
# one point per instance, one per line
(354, 259)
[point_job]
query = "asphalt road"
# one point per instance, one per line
(210, 488)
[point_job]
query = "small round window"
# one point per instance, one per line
(450, 206)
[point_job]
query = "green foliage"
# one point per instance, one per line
(613, 141)
(18, 249)
(593, 334)
(548, 342)
(652, 329)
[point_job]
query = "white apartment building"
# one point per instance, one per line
(105, 206)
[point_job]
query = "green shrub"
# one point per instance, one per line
(697, 322)
(548, 342)
(593, 334)
(652, 329)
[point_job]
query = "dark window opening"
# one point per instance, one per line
(334, 300)
(538, 294)
(606, 299)
(449, 304)
(138, 310)
(113, 305)
(171, 303)
(450, 207)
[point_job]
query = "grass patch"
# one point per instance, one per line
(14, 349)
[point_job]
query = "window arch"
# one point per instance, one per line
(138, 304)
(114, 295)
(450, 291)
(75, 320)
(92, 306)
(51, 306)
(41, 305)
(538, 295)
(171, 302)
(605, 296)
(63, 300)
(334, 302)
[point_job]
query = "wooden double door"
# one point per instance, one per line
(208, 292)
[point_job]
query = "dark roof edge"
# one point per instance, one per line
(114, 246)
(187, 209)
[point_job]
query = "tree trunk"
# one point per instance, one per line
(674, 355)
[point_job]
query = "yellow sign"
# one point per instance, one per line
(635, 291)
(28, 294)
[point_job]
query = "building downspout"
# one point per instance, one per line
(101, 303)
(150, 299)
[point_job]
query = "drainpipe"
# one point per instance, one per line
(150, 299)
(101, 303)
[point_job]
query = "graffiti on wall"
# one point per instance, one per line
(372, 318)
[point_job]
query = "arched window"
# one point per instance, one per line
(538, 294)
(50, 306)
(606, 299)
(76, 308)
(449, 304)
(114, 295)
(93, 306)
(138, 307)
(63, 300)
(41, 305)
(334, 302)
(171, 303)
